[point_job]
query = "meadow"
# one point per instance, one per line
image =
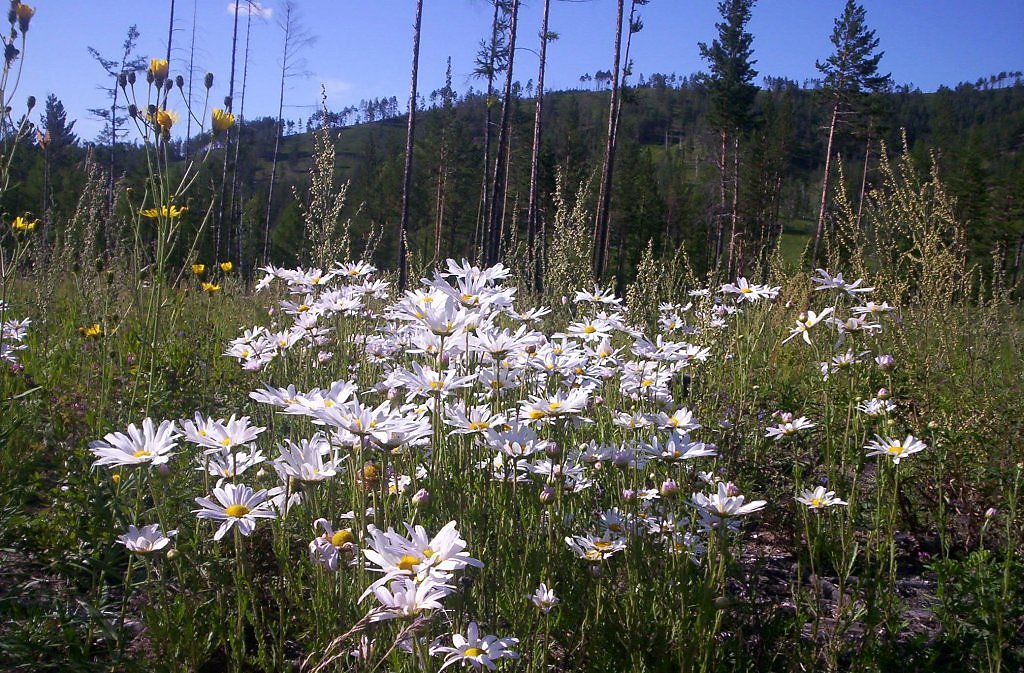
(211, 468)
(321, 473)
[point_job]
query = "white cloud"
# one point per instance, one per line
(253, 7)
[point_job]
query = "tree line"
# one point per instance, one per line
(722, 164)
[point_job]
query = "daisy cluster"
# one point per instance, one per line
(456, 368)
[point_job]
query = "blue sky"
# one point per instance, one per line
(362, 47)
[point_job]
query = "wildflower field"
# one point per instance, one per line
(211, 468)
(324, 474)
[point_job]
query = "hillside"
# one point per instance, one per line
(666, 178)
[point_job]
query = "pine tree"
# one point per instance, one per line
(851, 73)
(732, 102)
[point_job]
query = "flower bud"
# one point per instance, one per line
(932, 425)
(172, 554)
(669, 488)
(180, 82)
(991, 512)
(208, 80)
(552, 450)
(885, 361)
(421, 498)
(133, 111)
(547, 495)
(31, 102)
(621, 459)
(122, 80)
(883, 394)
(595, 570)
(628, 495)
(131, 78)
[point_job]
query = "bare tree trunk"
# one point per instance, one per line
(734, 261)
(442, 178)
(605, 191)
(863, 180)
(720, 213)
(113, 145)
(170, 32)
(228, 101)
(232, 203)
(532, 264)
(481, 236)
(820, 230)
(191, 65)
(442, 162)
(497, 209)
(403, 226)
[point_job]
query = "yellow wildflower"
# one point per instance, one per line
(165, 211)
(199, 269)
(210, 288)
(222, 120)
(21, 224)
(164, 119)
(159, 67)
(226, 267)
(91, 331)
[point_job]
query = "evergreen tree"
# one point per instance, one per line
(732, 99)
(851, 73)
(55, 138)
(57, 133)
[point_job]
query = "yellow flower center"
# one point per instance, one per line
(226, 441)
(745, 290)
(429, 553)
(602, 545)
(817, 502)
(473, 652)
(896, 450)
(477, 425)
(536, 414)
(141, 453)
(237, 511)
(407, 562)
(554, 406)
(303, 308)
(589, 329)
(341, 537)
